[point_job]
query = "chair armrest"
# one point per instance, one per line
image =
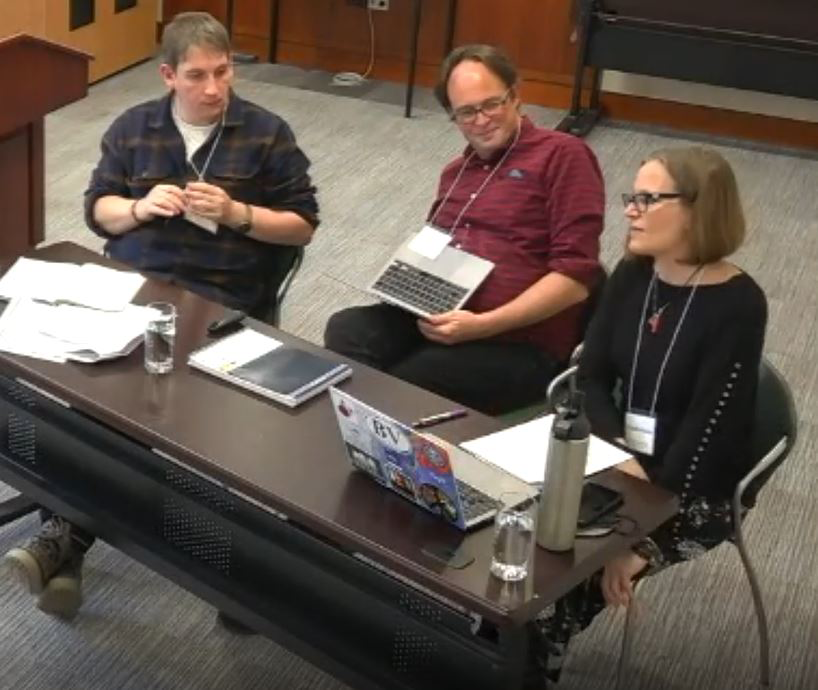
(560, 380)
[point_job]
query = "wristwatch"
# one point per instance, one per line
(247, 224)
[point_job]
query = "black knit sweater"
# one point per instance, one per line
(706, 401)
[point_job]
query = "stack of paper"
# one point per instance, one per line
(523, 450)
(89, 285)
(63, 311)
(63, 332)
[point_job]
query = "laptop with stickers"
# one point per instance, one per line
(436, 475)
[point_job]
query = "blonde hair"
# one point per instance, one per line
(188, 29)
(708, 187)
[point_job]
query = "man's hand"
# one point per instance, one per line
(617, 578)
(452, 327)
(211, 202)
(632, 467)
(165, 200)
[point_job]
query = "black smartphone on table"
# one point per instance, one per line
(597, 502)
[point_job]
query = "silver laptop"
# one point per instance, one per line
(426, 286)
(436, 475)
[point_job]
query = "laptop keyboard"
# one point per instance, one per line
(474, 502)
(427, 292)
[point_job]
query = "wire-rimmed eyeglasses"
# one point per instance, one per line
(467, 114)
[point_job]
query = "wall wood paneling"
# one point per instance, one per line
(334, 35)
(218, 8)
(116, 40)
(251, 27)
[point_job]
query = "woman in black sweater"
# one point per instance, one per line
(669, 369)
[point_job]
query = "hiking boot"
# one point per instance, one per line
(62, 595)
(40, 557)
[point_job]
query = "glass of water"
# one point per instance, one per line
(160, 334)
(513, 537)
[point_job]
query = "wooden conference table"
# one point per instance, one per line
(254, 508)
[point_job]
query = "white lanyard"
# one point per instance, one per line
(201, 173)
(474, 196)
(670, 347)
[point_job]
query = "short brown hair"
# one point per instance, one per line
(192, 29)
(708, 186)
(497, 62)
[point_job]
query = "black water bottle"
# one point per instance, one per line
(564, 476)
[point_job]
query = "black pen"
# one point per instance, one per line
(439, 418)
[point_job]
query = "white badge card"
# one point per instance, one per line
(204, 223)
(429, 242)
(640, 431)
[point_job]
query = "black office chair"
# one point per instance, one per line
(283, 271)
(774, 433)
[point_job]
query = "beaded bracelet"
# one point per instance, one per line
(133, 212)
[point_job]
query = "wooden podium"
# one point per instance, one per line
(40, 77)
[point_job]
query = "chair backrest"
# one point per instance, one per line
(282, 272)
(775, 419)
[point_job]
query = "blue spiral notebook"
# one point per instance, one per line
(264, 365)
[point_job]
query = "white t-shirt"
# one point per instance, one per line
(193, 135)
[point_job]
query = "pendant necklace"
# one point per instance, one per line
(655, 318)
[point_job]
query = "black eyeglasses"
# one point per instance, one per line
(644, 200)
(467, 114)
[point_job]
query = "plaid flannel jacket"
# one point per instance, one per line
(256, 161)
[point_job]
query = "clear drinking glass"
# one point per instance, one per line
(160, 334)
(514, 532)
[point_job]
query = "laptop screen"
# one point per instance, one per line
(398, 457)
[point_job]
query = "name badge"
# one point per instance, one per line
(204, 223)
(640, 432)
(429, 242)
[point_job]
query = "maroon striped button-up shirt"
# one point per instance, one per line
(542, 211)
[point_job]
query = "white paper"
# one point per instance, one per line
(90, 285)
(20, 334)
(58, 333)
(91, 335)
(522, 450)
(37, 279)
(204, 223)
(429, 242)
(103, 288)
(235, 350)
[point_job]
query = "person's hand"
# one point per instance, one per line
(209, 201)
(617, 578)
(632, 467)
(163, 200)
(453, 327)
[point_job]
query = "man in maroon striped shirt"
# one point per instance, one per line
(528, 199)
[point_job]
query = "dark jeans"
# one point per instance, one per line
(80, 539)
(487, 375)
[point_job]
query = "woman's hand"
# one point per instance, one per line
(617, 578)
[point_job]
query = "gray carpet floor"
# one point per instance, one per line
(376, 173)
